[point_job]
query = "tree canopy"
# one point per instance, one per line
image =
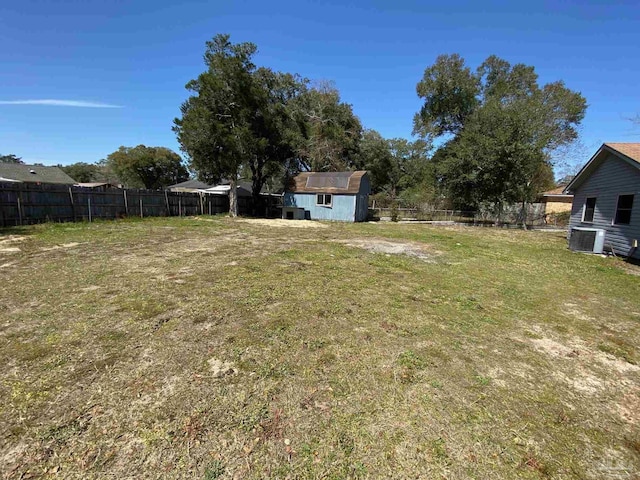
(246, 120)
(219, 122)
(331, 132)
(11, 158)
(147, 167)
(499, 126)
(82, 172)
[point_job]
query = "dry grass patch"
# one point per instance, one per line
(218, 348)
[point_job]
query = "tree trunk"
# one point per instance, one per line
(496, 223)
(233, 195)
(257, 181)
(523, 214)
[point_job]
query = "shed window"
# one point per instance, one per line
(623, 211)
(323, 199)
(589, 209)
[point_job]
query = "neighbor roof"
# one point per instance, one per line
(629, 152)
(327, 182)
(195, 184)
(34, 174)
(558, 191)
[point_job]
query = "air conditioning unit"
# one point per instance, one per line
(586, 240)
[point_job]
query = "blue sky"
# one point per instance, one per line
(138, 55)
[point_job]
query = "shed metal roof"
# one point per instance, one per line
(327, 182)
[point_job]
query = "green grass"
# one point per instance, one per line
(503, 355)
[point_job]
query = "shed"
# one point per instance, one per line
(18, 172)
(606, 193)
(339, 196)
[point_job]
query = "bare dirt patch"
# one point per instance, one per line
(12, 239)
(551, 347)
(220, 368)
(411, 249)
(279, 223)
(62, 245)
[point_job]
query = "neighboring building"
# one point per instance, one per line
(189, 186)
(19, 173)
(339, 196)
(243, 189)
(606, 203)
(556, 201)
(99, 186)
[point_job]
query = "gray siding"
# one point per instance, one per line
(613, 177)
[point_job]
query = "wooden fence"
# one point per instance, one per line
(511, 215)
(24, 203)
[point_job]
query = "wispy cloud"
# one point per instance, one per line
(60, 103)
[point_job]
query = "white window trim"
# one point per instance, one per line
(584, 210)
(324, 198)
(615, 212)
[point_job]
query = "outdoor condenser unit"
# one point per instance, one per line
(587, 240)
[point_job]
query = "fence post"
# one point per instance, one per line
(89, 205)
(209, 200)
(73, 206)
(166, 199)
(201, 204)
(20, 206)
(180, 206)
(126, 204)
(141, 213)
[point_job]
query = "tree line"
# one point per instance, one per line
(482, 137)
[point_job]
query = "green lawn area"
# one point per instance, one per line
(218, 348)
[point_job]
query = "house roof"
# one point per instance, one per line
(224, 190)
(195, 184)
(629, 152)
(556, 192)
(327, 182)
(96, 184)
(34, 174)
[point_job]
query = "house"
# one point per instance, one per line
(556, 201)
(243, 189)
(38, 174)
(606, 202)
(339, 196)
(98, 186)
(189, 186)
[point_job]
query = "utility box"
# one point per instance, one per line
(587, 240)
(293, 213)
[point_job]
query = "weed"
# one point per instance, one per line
(214, 470)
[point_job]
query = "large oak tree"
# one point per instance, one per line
(147, 167)
(497, 126)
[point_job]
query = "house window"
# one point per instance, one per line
(589, 209)
(323, 199)
(623, 210)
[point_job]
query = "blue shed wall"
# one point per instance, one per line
(612, 178)
(342, 209)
